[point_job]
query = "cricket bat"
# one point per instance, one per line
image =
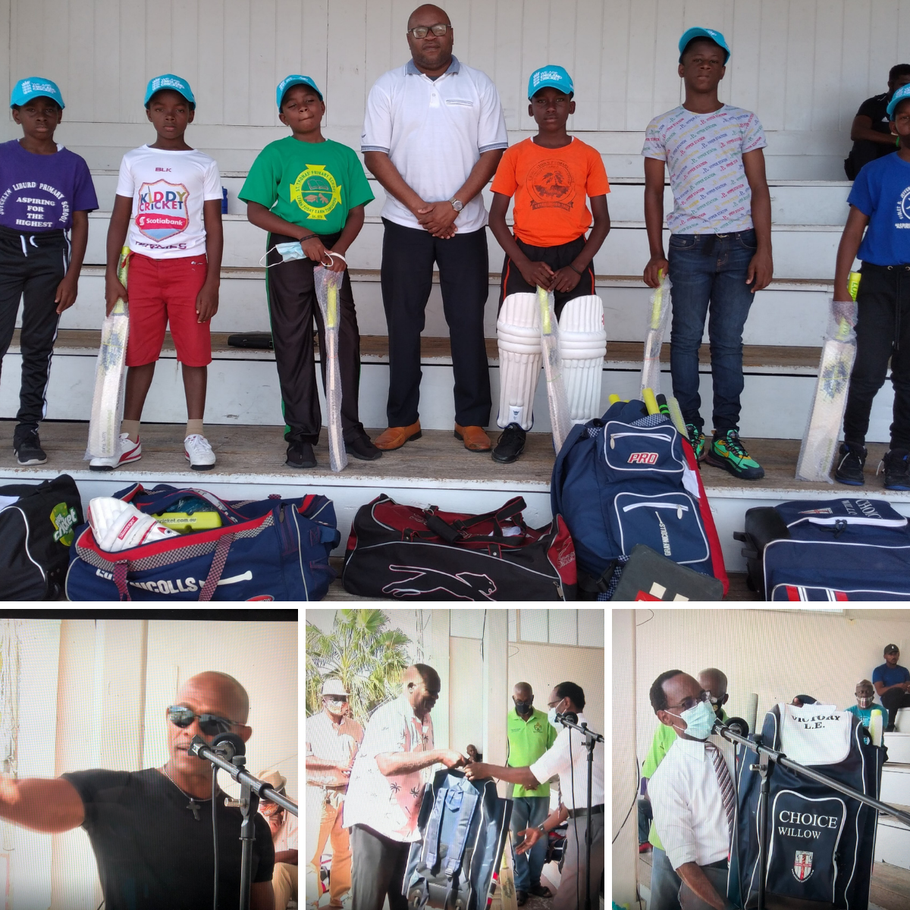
(507, 878)
(657, 326)
(819, 445)
(327, 283)
(107, 400)
(560, 419)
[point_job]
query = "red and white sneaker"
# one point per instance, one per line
(127, 451)
(198, 453)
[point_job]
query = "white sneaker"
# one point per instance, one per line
(199, 453)
(127, 451)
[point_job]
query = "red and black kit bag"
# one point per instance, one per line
(411, 553)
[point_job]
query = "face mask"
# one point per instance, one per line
(288, 252)
(522, 707)
(699, 720)
(864, 701)
(551, 716)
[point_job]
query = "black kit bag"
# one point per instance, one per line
(407, 552)
(37, 528)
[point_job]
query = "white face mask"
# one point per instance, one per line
(699, 720)
(551, 715)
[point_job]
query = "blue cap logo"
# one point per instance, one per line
(689, 35)
(551, 76)
(172, 83)
(290, 82)
(902, 94)
(26, 90)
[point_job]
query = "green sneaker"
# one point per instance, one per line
(696, 440)
(729, 453)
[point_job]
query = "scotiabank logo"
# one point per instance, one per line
(643, 458)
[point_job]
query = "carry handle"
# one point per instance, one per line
(218, 562)
(459, 530)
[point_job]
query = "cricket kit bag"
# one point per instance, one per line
(833, 549)
(631, 478)
(37, 527)
(411, 553)
(271, 549)
(819, 842)
(463, 826)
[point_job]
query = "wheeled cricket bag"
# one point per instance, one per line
(631, 478)
(827, 550)
(411, 553)
(37, 528)
(463, 826)
(271, 549)
(819, 841)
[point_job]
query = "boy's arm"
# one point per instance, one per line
(264, 218)
(352, 228)
(116, 237)
(568, 276)
(51, 805)
(67, 289)
(207, 301)
(654, 221)
(846, 253)
(537, 274)
(761, 268)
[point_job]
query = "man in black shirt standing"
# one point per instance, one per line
(871, 130)
(151, 830)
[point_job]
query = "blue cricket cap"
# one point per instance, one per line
(551, 76)
(34, 87)
(902, 94)
(690, 34)
(289, 82)
(169, 82)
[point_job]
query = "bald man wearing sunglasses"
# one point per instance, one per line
(151, 830)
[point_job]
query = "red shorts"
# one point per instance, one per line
(163, 291)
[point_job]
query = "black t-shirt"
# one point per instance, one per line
(152, 854)
(876, 109)
(864, 151)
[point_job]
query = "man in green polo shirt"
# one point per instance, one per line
(530, 735)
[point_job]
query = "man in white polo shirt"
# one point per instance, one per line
(433, 135)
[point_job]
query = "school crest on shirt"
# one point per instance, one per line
(316, 192)
(162, 210)
(550, 185)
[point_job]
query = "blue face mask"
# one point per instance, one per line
(288, 251)
(699, 720)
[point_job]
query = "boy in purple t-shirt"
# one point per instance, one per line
(46, 193)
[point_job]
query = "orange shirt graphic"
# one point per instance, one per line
(551, 189)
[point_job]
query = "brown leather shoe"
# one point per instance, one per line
(396, 437)
(475, 439)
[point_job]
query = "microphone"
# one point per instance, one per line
(224, 745)
(571, 717)
(734, 724)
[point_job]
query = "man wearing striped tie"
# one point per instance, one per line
(692, 795)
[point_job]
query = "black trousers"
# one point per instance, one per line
(378, 868)
(408, 255)
(894, 700)
(31, 267)
(882, 332)
(292, 308)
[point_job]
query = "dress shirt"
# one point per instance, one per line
(568, 758)
(331, 742)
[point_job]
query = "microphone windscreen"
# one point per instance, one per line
(570, 717)
(738, 726)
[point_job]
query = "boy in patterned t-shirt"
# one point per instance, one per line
(720, 239)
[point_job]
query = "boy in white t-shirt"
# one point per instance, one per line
(168, 210)
(720, 239)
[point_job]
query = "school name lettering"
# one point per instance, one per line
(812, 823)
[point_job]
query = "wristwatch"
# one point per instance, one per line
(541, 829)
(457, 204)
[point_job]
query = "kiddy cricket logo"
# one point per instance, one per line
(162, 210)
(64, 519)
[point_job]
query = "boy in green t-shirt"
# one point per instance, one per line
(309, 193)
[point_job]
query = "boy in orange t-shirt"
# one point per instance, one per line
(552, 176)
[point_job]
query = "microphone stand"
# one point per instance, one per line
(767, 757)
(570, 719)
(231, 757)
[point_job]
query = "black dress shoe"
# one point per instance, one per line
(510, 445)
(362, 448)
(300, 455)
(521, 898)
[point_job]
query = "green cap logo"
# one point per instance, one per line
(64, 519)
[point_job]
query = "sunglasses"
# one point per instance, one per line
(209, 724)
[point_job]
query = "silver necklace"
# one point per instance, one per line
(193, 803)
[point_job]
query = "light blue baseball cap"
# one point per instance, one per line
(35, 87)
(690, 34)
(550, 76)
(169, 82)
(902, 94)
(289, 82)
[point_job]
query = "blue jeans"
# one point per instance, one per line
(710, 269)
(529, 812)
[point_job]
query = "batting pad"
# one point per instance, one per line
(518, 335)
(582, 347)
(118, 525)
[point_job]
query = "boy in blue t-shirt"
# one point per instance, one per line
(879, 200)
(46, 193)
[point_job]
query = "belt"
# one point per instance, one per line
(596, 810)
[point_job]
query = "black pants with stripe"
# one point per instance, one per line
(31, 268)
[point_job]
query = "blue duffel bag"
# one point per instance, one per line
(271, 549)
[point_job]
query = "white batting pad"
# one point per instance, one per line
(118, 525)
(518, 335)
(582, 347)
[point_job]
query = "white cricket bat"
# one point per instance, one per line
(660, 311)
(107, 400)
(507, 878)
(560, 418)
(327, 283)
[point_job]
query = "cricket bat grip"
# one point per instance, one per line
(842, 320)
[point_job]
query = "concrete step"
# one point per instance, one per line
(892, 841)
(243, 385)
(895, 782)
(898, 749)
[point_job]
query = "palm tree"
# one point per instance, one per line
(362, 653)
